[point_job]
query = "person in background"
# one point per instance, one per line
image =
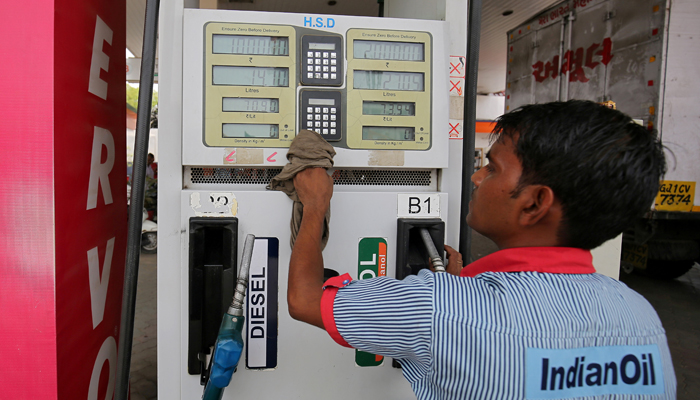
(532, 320)
(150, 173)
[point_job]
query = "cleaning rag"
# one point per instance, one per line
(308, 150)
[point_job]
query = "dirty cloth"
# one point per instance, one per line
(308, 150)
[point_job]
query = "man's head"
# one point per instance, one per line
(150, 159)
(602, 167)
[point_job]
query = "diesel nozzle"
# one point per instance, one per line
(229, 342)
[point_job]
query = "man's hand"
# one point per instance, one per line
(315, 188)
(454, 261)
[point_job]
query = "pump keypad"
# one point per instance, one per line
(320, 112)
(322, 65)
(321, 60)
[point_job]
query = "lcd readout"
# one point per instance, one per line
(388, 80)
(388, 108)
(250, 45)
(250, 76)
(396, 133)
(250, 104)
(261, 131)
(382, 50)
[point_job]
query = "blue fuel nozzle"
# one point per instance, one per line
(229, 341)
(227, 354)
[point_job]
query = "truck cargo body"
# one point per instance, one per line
(642, 57)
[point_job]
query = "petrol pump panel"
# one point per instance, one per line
(377, 90)
(363, 86)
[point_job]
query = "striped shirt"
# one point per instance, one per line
(509, 335)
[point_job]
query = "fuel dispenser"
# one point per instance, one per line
(377, 90)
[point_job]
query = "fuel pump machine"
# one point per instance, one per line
(377, 90)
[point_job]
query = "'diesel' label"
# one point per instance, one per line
(261, 316)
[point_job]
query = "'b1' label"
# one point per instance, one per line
(419, 205)
(371, 263)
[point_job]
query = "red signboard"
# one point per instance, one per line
(63, 219)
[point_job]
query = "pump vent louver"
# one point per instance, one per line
(262, 176)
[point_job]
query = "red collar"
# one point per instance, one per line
(553, 260)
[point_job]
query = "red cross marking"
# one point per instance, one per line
(455, 68)
(453, 128)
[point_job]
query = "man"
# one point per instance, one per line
(149, 163)
(532, 320)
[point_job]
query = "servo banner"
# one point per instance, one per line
(261, 337)
(63, 217)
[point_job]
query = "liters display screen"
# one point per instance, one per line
(250, 45)
(251, 104)
(262, 131)
(382, 50)
(388, 80)
(388, 133)
(387, 108)
(250, 76)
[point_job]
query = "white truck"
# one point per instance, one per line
(641, 57)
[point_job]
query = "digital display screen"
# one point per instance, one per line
(388, 80)
(251, 104)
(321, 46)
(321, 102)
(387, 108)
(261, 131)
(388, 133)
(250, 45)
(250, 76)
(381, 50)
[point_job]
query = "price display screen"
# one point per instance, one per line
(252, 104)
(257, 45)
(388, 80)
(250, 76)
(262, 131)
(388, 133)
(387, 108)
(379, 50)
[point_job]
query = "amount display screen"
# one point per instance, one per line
(378, 50)
(261, 131)
(257, 45)
(251, 104)
(250, 76)
(388, 133)
(386, 108)
(388, 80)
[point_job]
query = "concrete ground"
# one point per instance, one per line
(677, 302)
(144, 358)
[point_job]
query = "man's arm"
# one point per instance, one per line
(315, 188)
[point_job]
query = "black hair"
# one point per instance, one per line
(603, 167)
